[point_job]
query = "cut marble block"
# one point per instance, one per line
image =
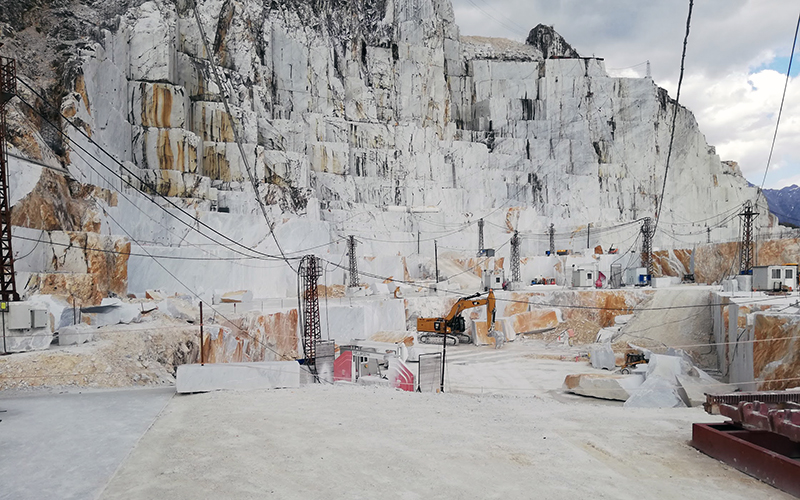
(602, 356)
(238, 376)
(76, 334)
(596, 385)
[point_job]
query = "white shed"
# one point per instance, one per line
(493, 279)
(583, 276)
(774, 278)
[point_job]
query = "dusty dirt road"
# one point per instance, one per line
(369, 442)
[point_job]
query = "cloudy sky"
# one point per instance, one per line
(736, 62)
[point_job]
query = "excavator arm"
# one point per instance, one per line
(453, 324)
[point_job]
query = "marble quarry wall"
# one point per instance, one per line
(375, 119)
(760, 350)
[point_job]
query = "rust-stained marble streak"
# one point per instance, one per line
(481, 330)
(776, 363)
(534, 320)
(714, 262)
(156, 111)
(56, 204)
(254, 337)
(106, 265)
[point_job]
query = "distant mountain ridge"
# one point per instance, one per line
(785, 204)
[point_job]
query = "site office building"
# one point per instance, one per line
(774, 278)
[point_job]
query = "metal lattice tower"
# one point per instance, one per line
(8, 88)
(552, 239)
(747, 253)
(480, 236)
(515, 257)
(647, 245)
(351, 251)
(310, 271)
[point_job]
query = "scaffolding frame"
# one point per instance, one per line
(8, 89)
(310, 271)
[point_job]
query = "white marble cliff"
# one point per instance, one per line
(375, 119)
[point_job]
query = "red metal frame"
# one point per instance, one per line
(777, 411)
(765, 455)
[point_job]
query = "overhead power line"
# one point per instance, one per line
(660, 201)
(783, 98)
(250, 175)
(250, 251)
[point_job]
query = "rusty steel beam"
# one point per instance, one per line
(787, 423)
(777, 399)
(767, 456)
(777, 412)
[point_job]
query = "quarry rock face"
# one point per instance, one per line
(550, 43)
(376, 119)
(776, 357)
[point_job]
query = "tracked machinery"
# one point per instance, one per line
(453, 325)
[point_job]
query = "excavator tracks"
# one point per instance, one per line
(452, 338)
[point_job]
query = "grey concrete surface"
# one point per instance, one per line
(68, 445)
(237, 376)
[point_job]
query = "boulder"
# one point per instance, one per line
(237, 296)
(178, 309)
(655, 392)
(667, 367)
(602, 356)
(76, 334)
(696, 384)
(111, 312)
(617, 387)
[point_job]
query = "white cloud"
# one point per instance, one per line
(735, 103)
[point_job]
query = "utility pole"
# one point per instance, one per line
(515, 257)
(310, 271)
(708, 235)
(647, 245)
(552, 239)
(436, 258)
(351, 250)
(202, 360)
(8, 89)
(746, 255)
(444, 355)
(588, 231)
(480, 237)
(417, 241)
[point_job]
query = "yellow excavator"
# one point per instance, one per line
(452, 326)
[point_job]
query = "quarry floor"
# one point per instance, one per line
(505, 431)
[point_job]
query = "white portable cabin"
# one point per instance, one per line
(774, 278)
(493, 279)
(583, 276)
